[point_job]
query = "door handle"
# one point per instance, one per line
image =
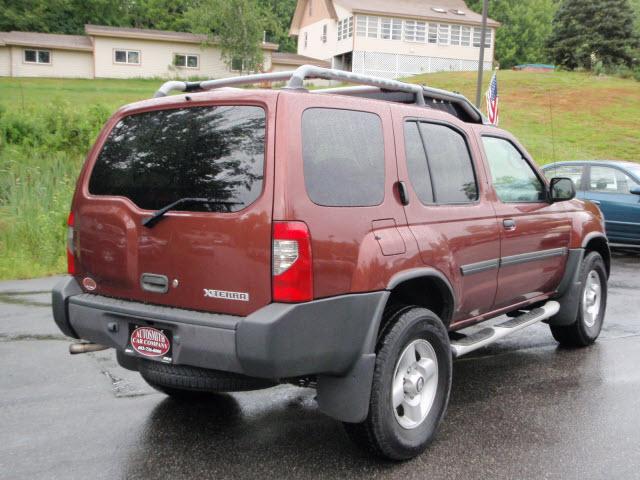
(509, 224)
(403, 193)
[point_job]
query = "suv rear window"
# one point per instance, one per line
(343, 154)
(158, 157)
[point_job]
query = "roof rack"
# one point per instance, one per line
(374, 87)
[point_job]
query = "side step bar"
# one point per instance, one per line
(489, 335)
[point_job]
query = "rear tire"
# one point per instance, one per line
(592, 305)
(414, 361)
(182, 381)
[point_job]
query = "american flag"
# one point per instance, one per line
(492, 100)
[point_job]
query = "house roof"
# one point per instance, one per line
(299, 14)
(46, 40)
(148, 34)
(422, 9)
(294, 59)
(418, 9)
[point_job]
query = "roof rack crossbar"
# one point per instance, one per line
(297, 77)
(295, 81)
(309, 71)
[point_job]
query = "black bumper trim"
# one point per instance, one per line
(326, 336)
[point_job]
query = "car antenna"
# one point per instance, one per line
(553, 136)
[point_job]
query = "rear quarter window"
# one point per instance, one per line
(343, 156)
(155, 158)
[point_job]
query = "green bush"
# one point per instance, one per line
(41, 153)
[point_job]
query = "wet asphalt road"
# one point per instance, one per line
(522, 408)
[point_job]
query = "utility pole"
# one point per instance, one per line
(483, 37)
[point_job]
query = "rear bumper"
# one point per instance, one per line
(322, 337)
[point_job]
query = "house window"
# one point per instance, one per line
(37, 56)
(415, 31)
(433, 33)
(237, 64)
(391, 29)
(421, 32)
(345, 28)
(465, 39)
(455, 34)
(443, 34)
(368, 26)
(372, 27)
(324, 33)
(477, 32)
(361, 26)
(128, 57)
(186, 61)
(410, 31)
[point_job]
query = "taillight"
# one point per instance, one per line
(71, 248)
(292, 265)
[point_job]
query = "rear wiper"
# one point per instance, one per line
(149, 222)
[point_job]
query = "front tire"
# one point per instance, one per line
(411, 385)
(592, 305)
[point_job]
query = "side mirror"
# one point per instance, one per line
(635, 190)
(562, 189)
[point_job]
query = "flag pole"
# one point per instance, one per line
(483, 36)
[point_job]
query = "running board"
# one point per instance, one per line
(489, 335)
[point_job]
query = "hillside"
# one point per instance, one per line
(47, 126)
(561, 115)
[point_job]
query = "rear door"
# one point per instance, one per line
(610, 189)
(204, 256)
(448, 213)
(535, 233)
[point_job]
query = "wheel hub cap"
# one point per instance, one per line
(415, 382)
(591, 299)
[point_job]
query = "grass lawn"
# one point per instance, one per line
(561, 115)
(26, 93)
(47, 126)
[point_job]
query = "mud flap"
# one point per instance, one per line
(569, 291)
(346, 398)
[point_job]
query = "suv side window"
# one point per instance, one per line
(343, 156)
(513, 178)
(439, 164)
(610, 180)
(417, 163)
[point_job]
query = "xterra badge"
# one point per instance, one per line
(239, 296)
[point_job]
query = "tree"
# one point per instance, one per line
(237, 26)
(524, 31)
(59, 16)
(160, 14)
(205, 16)
(588, 30)
(282, 10)
(635, 4)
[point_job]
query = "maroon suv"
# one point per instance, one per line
(233, 239)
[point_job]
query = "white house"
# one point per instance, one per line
(392, 39)
(111, 52)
